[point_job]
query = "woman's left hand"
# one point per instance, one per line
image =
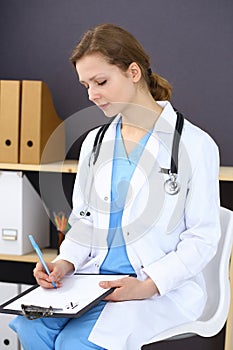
(130, 288)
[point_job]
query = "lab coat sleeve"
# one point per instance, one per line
(77, 244)
(198, 243)
(79, 191)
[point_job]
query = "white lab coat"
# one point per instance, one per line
(169, 238)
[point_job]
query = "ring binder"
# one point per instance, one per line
(39, 120)
(10, 93)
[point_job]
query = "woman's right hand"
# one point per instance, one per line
(57, 271)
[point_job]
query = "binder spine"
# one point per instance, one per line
(38, 123)
(30, 122)
(10, 97)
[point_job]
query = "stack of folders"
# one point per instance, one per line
(31, 132)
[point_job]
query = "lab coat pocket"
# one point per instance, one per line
(190, 297)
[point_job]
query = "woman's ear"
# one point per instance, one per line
(135, 72)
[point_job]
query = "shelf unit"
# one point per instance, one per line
(68, 166)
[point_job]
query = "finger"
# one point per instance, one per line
(111, 284)
(44, 283)
(52, 285)
(39, 266)
(39, 269)
(114, 296)
(54, 278)
(40, 277)
(48, 285)
(40, 273)
(47, 281)
(50, 265)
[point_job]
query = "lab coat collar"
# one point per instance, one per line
(165, 123)
(163, 131)
(167, 119)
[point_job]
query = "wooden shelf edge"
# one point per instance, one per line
(71, 166)
(68, 166)
(48, 254)
(226, 173)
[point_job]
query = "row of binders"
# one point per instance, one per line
(31, 132)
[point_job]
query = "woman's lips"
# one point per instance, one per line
(103, 105)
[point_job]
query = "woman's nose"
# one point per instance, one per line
(93, 94)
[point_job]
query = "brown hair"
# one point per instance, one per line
(121, 48)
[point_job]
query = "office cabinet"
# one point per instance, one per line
(8, 338)
(21, 213)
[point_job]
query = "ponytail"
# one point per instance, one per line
(159, 87)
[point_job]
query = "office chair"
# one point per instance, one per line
(216, 275)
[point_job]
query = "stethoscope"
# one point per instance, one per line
(171, 185)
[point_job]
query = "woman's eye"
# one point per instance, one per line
(102, 82)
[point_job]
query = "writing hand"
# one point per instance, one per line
(57, 272)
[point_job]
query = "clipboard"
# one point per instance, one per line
(78, 294)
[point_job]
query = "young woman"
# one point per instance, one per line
(131, 213)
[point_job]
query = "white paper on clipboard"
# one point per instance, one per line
(78, 293)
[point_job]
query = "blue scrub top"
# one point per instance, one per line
(116, 260)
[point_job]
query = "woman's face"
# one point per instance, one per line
(111, 89)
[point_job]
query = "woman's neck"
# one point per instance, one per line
(141, 115)
(137, 120)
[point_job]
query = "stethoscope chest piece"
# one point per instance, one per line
(171, 186)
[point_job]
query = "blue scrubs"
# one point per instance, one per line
(66, 333)
(124, 166)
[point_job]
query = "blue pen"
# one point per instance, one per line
(39, 253)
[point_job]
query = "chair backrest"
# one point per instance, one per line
(216, 275)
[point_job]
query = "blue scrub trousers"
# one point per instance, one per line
(57, 333)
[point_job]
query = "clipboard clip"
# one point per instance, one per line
(32, 312)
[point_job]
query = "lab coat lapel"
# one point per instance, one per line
(156, 155)
(103, 166)
(102, 171)
(158, 148)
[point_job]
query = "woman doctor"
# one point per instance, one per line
(125, 219)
